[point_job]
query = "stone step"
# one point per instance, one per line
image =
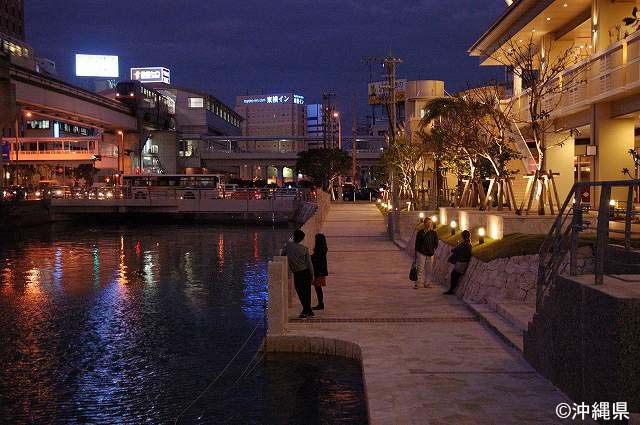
(518, 314)
(502, 328)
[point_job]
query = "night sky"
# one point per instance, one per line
(231, 47)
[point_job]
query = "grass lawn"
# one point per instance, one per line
(512, 245)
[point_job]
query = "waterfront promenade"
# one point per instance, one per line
(426, 358)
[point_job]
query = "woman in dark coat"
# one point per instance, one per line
(462, 255)
(320, 270)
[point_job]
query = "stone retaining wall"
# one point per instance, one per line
(512, 278)
(315, 345)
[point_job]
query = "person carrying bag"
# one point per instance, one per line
(425, 249)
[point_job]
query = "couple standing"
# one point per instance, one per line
(307, 269)
(425, 248)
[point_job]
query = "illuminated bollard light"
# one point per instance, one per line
(481, 234)
(453, 226)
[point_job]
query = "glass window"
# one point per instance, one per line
(195, 102)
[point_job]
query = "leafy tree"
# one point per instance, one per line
(540, 73)
(324, 165)
(404, 158)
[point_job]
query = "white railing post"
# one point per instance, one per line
(278, 296)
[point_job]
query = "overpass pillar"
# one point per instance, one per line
(280, 175)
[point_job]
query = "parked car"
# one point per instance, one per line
(60, 192)
(14, 193)
(363, 194)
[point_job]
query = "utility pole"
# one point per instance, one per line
(370, 60)
(390, 64)
(354, 142)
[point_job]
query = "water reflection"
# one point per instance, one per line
(124, 324)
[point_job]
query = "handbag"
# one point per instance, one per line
(413, 273)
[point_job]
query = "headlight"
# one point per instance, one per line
(38, 193)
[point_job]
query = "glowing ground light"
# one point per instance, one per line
(453, 226)
(481, 234)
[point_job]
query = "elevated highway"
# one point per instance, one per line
(48, 97)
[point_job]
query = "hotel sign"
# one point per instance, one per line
(276, 99)
(151, 75)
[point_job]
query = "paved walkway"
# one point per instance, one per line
(426, 359)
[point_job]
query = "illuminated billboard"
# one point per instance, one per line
(379, 90)
(155, 74)
(97, 66)
(297, 99)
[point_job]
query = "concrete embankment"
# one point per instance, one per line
(425, 357)
(183, 210)
(24, 214)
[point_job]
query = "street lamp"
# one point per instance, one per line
(337, 116)
(120, 158)
(27, 114)
(434, 220)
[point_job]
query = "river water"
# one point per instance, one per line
(131, 324)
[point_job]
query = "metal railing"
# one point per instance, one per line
(182, 194)
(610, 229)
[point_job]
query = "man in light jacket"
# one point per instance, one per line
(302, 268)
(426, 245)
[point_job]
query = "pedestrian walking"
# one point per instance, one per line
(302, 268)
(425, 248)
(460, 257)
(320, 269)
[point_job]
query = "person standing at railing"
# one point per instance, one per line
(320, 269)
(302, 268)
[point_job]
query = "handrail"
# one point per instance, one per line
(563, 238)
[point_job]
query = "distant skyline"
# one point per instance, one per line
(230, 48)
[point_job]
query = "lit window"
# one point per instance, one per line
(195, 102)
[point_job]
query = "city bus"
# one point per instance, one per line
(174, 181)
(183, 186)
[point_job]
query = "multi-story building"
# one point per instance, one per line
(321, 120)
(272, 115)
(602, 103)
(198, 116)
(411, 96)
(315, 121)
(12, 18)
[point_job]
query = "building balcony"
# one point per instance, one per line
(607, 76)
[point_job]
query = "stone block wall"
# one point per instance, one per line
(512, 278)
(585, 340)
